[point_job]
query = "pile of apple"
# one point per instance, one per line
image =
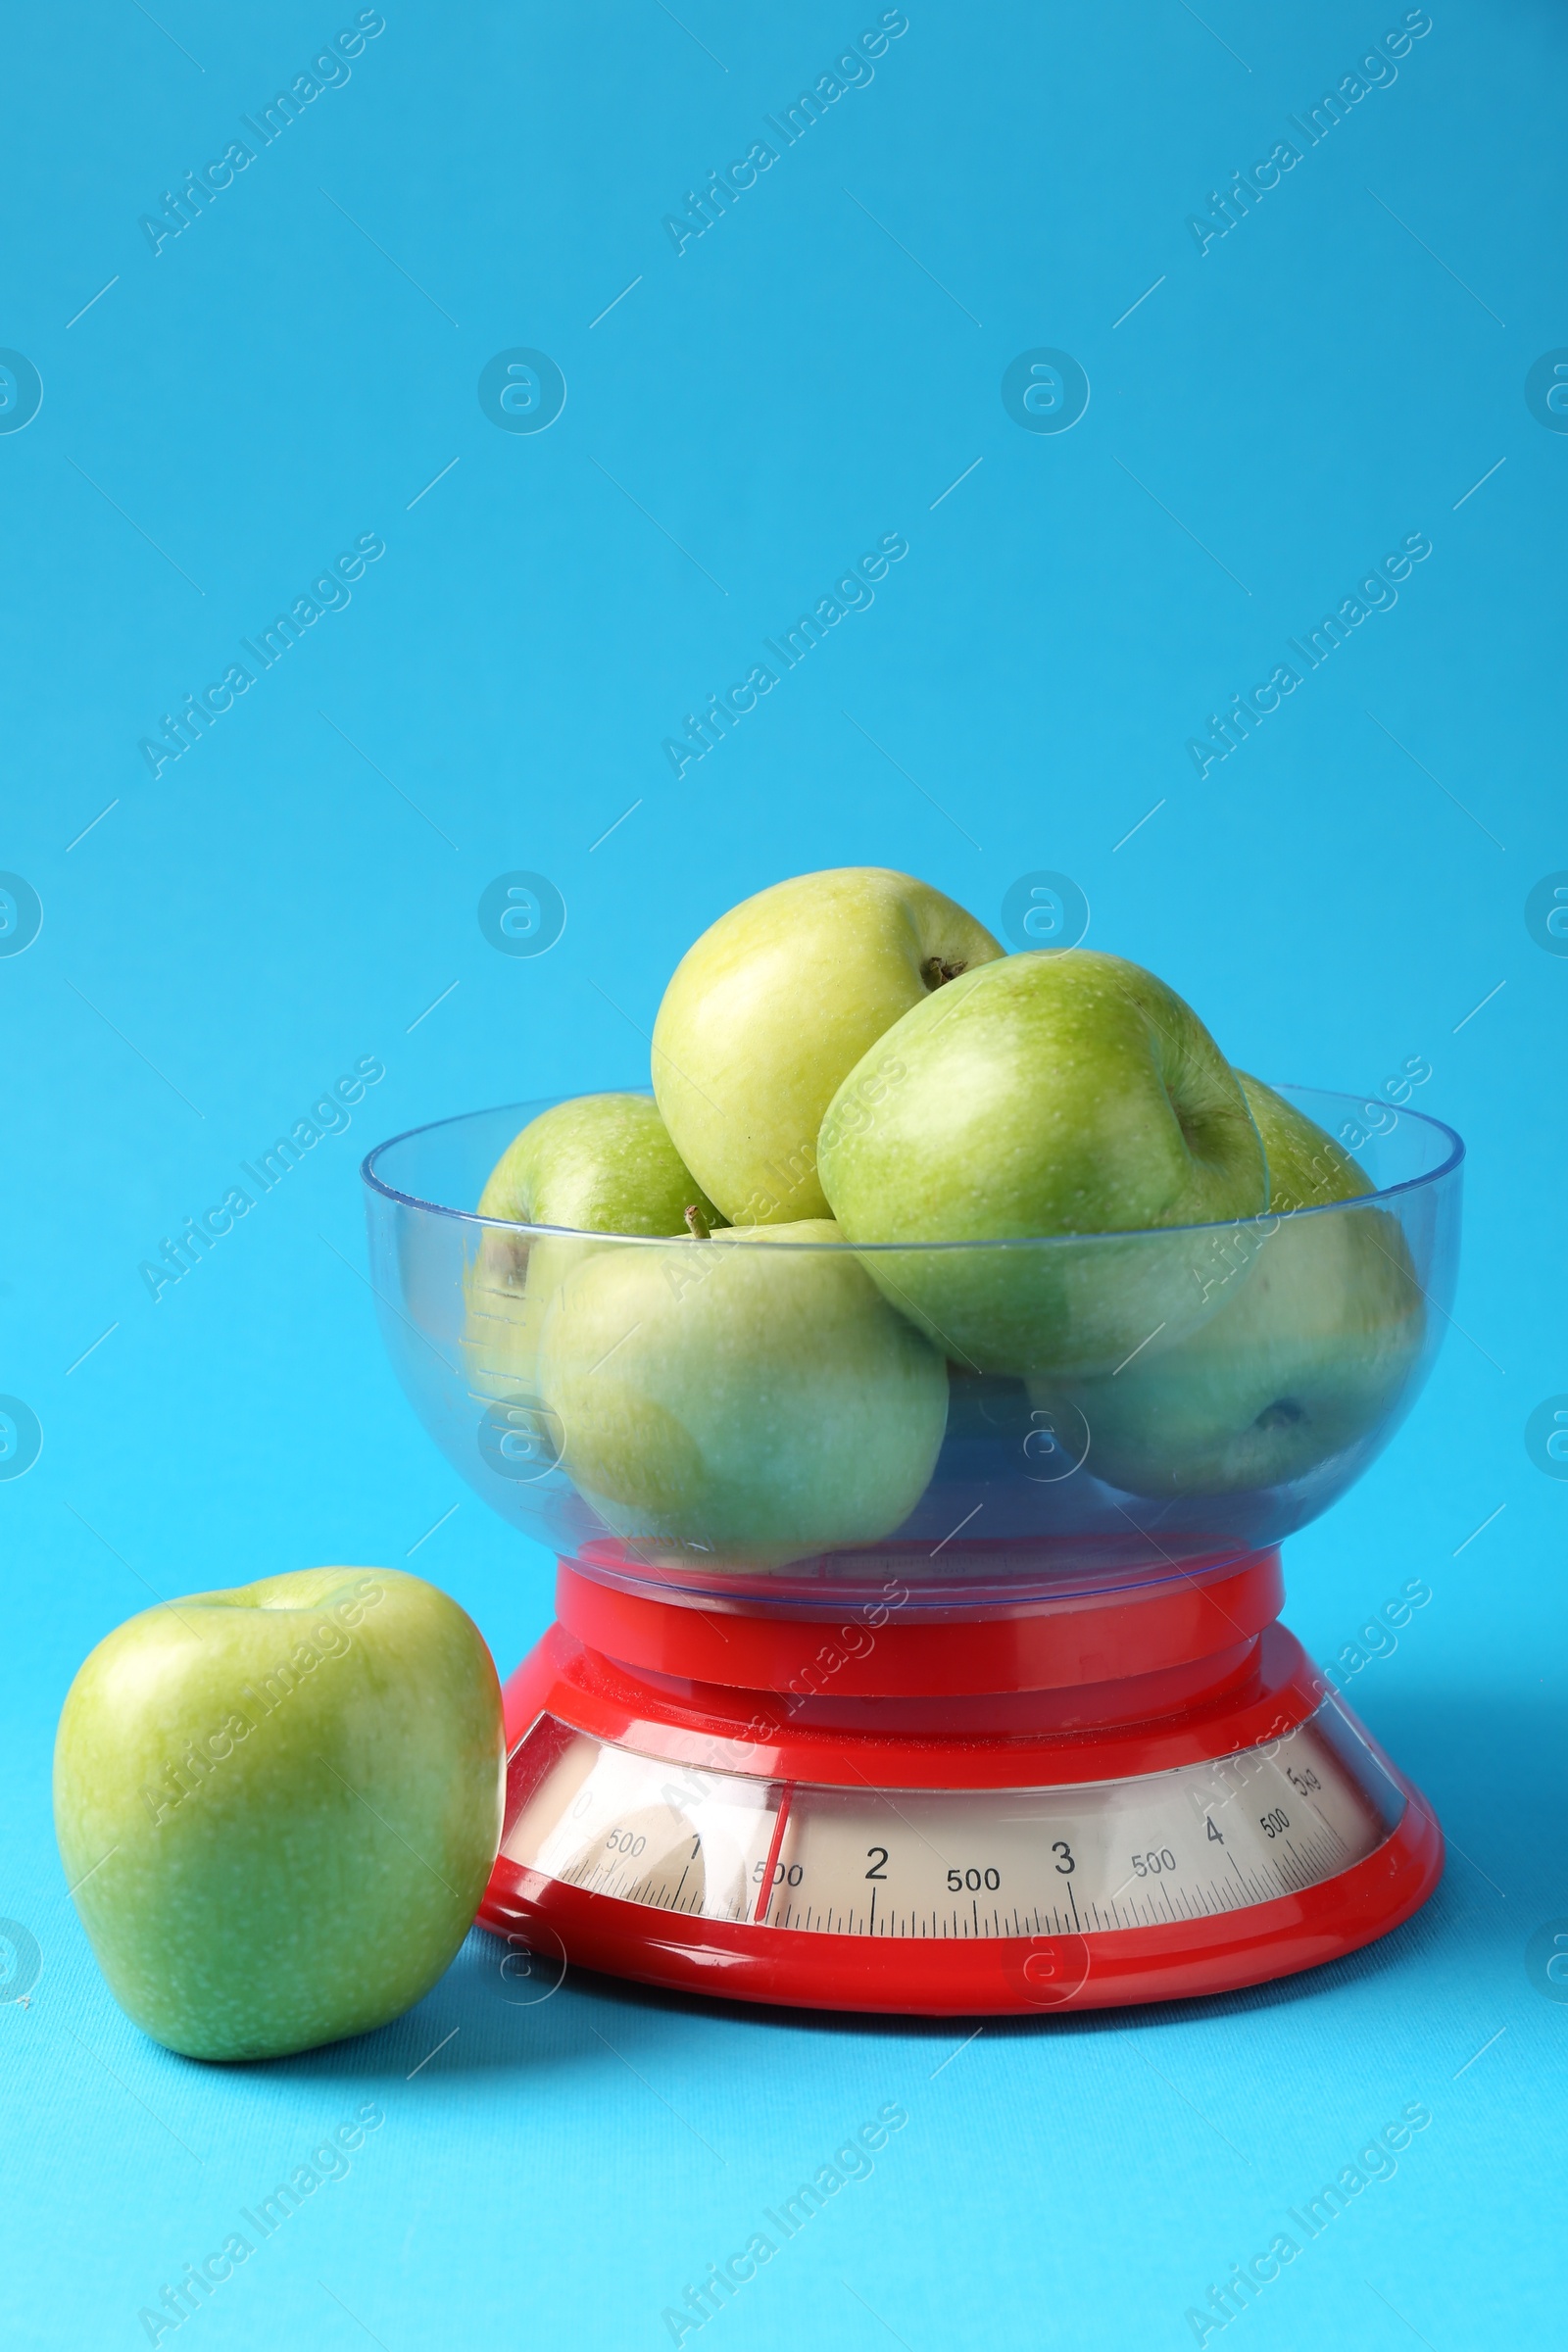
(964, 1163)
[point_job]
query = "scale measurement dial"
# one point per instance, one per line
(951, 1864)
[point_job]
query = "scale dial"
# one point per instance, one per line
(960, 1865)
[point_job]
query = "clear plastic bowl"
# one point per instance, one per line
(987, 1422)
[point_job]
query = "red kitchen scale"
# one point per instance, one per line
(1100, 1798)
(1072, 1761)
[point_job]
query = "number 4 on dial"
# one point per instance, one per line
(1215, 1834)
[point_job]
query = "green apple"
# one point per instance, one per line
(1319, 1324)
(1306, 1167)
(774, 1005)
(740, 1402)
(601, 1164)
(1053, 1095)
(277, 1806)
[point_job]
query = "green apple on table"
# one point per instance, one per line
(773, 1006)
(1318, 1323)
(1066, 1097)
(277, 1806)
(600, 1163)
(746, 1399)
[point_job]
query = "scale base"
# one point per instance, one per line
(1214, 1820)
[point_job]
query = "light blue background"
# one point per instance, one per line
(754, 413)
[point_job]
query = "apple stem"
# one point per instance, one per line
(697, 1222)
(934, 972)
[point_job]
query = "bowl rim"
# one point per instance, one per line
(375, 1183)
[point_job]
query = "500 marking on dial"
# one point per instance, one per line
(949, 1864)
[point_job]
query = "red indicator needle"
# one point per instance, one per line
(764, 1894)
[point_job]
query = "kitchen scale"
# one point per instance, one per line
(1045, 1745)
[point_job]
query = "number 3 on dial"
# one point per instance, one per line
(1066, 1865)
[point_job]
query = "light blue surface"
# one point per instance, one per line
(300, 890)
